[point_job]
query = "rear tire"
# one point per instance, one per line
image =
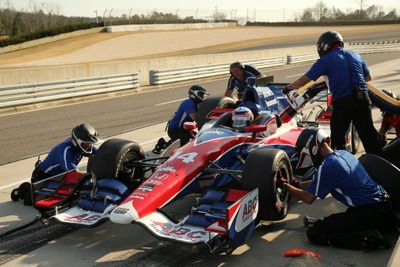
(391, 152)
(208, 105)
(263, 168)
(385, 174)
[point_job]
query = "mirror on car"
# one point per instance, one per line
(190, 126)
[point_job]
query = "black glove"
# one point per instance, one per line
(295, 183)
(280, 183)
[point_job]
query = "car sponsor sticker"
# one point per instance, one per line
(163, 227)
(247, 211)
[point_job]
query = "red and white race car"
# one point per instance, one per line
(235, 176)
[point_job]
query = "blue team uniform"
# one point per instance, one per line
(250, 76)
(182, 114)
(62, 158)
(336, 72)
(345, 72)
(342, 175)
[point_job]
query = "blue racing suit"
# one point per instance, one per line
(369, 208)
(62, 158)
(250, 77)
(175, 125)
(344, 73)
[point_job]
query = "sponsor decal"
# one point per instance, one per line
(139, 195)
(168, 229)
(249, 208)
(166, 169)
(120, 210)
(146, 187)
(216, 132)
(84, 218)
(247, 211)
(268, 93)
(271, 102)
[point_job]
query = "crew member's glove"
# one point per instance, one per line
(280, 183)
(295, 183)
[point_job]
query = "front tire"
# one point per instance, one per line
(263, 168)
(114, 159)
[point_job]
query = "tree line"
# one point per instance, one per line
(43, 20)
(321, 13)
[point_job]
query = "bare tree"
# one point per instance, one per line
(361, 4)
(321, 11)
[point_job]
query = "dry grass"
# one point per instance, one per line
(73, 44)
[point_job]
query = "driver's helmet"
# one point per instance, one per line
(327, 40)
(84, 136)
(308, 146)
(197, 92)
(242, 117)
(392, 95)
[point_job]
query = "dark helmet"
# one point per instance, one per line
(197, 92)
(308, 145)
(84, 136)
(392, 95)
(242, 117)
(327, 40)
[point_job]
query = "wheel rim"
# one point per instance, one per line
(281, 194)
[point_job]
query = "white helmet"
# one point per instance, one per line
(241, 118)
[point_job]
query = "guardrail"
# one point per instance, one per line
(182, 74)
(41, 92)
(292, 59)
(158, 77)
(370, 48)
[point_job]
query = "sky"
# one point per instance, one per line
(259, 10)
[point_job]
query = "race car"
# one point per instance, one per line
(236, 177)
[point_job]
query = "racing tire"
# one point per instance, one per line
(391, 152)
(385, 174)
(208, 105)
(114, 159)
(264, 168)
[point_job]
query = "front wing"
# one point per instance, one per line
(223, 222)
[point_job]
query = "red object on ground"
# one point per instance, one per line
(297, 252)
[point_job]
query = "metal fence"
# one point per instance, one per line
(24, 94)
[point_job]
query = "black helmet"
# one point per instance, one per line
(83, 137)
(197, 92)
(392, 95)
(327, 40)
(308, 145)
